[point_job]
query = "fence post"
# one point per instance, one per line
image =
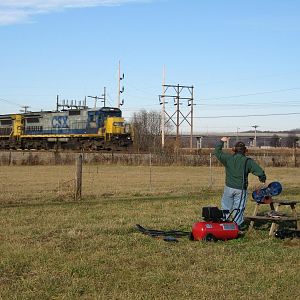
(210, 171)
(9, 159)
(150, 172)
(78, 178)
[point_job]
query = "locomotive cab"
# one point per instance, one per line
(117, 131)
(115, 125)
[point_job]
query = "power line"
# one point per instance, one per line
(281, 102)
(142, 89)
(250, 94)
(209, 83)
(244, 116)
(10, 102)
(254, 115)
(110, 99)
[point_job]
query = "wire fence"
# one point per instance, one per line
(276, 157)
(58, 182)
(22, 183)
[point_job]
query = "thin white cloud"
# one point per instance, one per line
(19, 11)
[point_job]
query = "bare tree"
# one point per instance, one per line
(147, 130)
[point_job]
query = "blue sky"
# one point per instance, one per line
(242, 57)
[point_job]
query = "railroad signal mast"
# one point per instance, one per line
(120, 90)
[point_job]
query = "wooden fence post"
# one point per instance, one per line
(78, 178)
(210, 171)
(9, 159)
(295, 156)
(150, 172)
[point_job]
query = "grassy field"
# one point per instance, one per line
(54, 248)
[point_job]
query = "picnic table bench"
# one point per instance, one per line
(276, 218)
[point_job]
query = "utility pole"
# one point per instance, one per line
(25, 109)
(191, 105)
(103, 98)
(57, 102)
(163, 108)
(179, 90)
(237, 134)
(255, 126)
(177, 103)
(120, 90)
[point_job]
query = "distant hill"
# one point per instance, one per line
(295, 131)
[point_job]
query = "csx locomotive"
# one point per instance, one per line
(76, 128)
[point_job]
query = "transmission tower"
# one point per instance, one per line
(178, 93)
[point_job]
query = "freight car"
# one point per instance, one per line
(75, 128)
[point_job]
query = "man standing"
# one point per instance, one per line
(237, 167)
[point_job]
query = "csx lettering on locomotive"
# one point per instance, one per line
(60, 122)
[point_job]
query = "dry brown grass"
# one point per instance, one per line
(20, 183)
(60, 249)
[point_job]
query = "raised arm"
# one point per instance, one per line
(220, 155)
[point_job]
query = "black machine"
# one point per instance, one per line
(287, 233)
(213, 213)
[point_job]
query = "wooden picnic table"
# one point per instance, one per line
(277, 218)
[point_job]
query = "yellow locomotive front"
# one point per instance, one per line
(117, 131)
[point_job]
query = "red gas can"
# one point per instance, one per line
(208, 230)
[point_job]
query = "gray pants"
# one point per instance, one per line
(235, 199)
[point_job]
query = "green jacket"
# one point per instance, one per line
(236, 165)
